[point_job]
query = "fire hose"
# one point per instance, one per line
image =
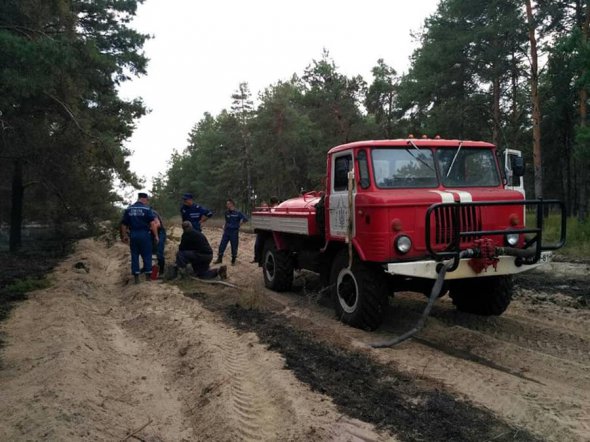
(434, 294)
(438, 285)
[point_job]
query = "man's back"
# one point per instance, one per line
(138, 217)
(196, 241)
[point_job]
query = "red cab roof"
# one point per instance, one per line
(405, 142)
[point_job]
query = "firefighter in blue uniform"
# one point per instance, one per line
(194, 213)
(136, 225)
(231, 230)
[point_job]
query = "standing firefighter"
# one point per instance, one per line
(137, 222)
(190, 211)
(231, 230)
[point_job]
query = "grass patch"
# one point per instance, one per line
(22, 286)
(577, 234)
(17, 290)
(25, 272)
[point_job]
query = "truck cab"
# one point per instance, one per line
(393, 210)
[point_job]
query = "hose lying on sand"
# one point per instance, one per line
(434, 294)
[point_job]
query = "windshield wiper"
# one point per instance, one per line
(418, 157)
(454, 158)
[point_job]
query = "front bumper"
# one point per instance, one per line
(427, 269)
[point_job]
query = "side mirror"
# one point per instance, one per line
(517, 166)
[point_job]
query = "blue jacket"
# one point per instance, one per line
(138, 217)
(193, 214)
(233, 219)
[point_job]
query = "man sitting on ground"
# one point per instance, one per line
(195, 250)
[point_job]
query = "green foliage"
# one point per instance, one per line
(464, 48)
(577, 234)
(469, 79)
(381, 99)
(578, 238)
(61, 116)
(276, 149)
(18, 288)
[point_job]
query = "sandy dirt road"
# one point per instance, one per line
(97, 358)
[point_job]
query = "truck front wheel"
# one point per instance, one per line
(482, 296)
(359, 293)
(277, 267)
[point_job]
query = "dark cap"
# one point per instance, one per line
(187, 196)
(186, 225)
(142, 195)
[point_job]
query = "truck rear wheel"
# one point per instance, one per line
(359, 293)
(277, 268)
(482, 296)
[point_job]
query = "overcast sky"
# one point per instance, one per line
(202, 50)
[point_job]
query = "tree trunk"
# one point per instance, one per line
(583, 94)
(537, 160)
(568, 179)
(515, 113)
(16, 211)
(496, 112)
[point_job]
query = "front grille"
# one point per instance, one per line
(469, 218)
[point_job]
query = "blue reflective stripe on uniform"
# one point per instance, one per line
(194, 213)
(138, 217)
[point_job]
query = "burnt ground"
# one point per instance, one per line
(20, 267)
(577, 287)
(364, 389)
(25, 271)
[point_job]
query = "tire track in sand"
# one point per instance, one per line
(247, 398)
(536, 375)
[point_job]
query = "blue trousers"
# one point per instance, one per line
(140, 243)
(231, 236)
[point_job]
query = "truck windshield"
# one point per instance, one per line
(399, 168)
(471, 168)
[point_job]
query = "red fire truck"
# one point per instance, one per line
(398, 215)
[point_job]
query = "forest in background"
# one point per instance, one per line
(512, 72)
(62, 122)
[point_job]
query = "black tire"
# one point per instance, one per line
(489, 296)
(360, 294)
(277, 267)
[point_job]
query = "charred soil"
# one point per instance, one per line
(366, 390)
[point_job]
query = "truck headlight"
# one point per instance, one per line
(403, 244)
(512, 239)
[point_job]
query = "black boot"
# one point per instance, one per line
(233, 261)
(218, 260)
(136, 279)
(222, 272)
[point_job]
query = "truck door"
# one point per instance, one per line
(513, 182)
(338, 212)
